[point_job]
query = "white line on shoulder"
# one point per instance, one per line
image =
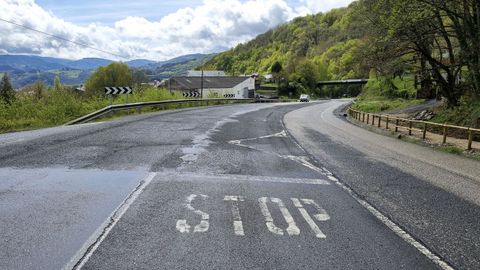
(84, 254)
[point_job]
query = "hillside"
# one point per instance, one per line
(27, 69)
(311, 48)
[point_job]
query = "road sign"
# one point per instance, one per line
(118, 90)
(229, 95)
(191, 94)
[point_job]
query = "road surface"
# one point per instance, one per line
(255, 186)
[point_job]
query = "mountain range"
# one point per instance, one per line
(26, 69)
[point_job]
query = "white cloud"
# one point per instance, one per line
(214, 26)
(316, 6)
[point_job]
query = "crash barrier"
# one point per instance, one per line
(396, 123)
(140, 105)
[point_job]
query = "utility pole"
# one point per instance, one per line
(201, 86)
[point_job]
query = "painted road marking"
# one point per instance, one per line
(234, 177)
(292, 229)
(237, 220)
(321, 216)
(84, 254)
(182, 225)
(385, 220)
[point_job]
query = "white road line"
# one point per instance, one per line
(396, 229)
(237, 219)
(235, 177)
(308, 218)
(385, 220)
(84, 254)
(292, 228)
(182, 225)
(281, 134)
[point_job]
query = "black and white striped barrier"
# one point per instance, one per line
(191, 94)
(229, 95)
(117, 90)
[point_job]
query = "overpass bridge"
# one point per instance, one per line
(340, 82)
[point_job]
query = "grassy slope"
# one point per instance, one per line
(57, 108)
(382, 95)
(379, 104)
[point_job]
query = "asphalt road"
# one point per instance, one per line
(256, 186)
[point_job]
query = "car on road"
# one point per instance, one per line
(304, 98)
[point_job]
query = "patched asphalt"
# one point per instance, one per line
(81, 175)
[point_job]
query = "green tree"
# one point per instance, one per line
(308, 76)
(38, 89)
(7, 93)
(115, 74)
(57, 85)
(276, 67)
(139, 76)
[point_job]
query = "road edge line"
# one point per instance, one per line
(90, 246)
(436, 259)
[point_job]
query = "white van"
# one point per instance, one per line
(304, 98)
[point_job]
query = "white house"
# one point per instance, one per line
(206, 73)
(215, 87)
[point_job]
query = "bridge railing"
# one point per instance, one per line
(140, 105)
(410, 125)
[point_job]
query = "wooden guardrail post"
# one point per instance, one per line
(444, 134)
(470, 139)
(424, 131)
(402, 123)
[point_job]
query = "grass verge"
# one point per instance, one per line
(55, 108)
(380, 104)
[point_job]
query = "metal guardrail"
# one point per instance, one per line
(140, 105)
(397, 122)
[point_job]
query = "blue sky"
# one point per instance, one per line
(107, 12)
(90, 11)
(134, 29)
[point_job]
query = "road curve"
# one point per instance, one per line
(255, 186)
(435, 196)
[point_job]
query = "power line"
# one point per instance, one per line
(61, 38)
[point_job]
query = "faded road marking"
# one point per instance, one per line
(321, 216)
(237, 220)
(182, 225)
(235, 177)
(292, 228)
(84, 254)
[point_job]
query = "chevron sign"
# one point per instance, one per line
(191, 94)
(117, 90)
(229, 95)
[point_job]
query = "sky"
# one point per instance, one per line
(143, 29)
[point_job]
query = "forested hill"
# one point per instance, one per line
(322, 46)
